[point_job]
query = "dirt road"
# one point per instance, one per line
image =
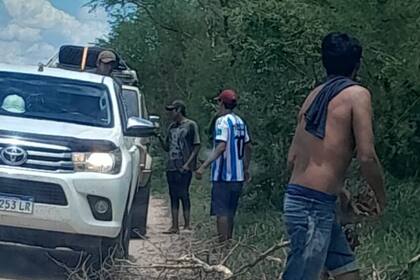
(19, 262)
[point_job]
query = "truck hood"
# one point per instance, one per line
(80, 138)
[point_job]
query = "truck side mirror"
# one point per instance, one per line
(139, 127)
(155, 120)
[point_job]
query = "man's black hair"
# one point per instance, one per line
(341, 54)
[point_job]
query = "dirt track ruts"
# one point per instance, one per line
(21, 262)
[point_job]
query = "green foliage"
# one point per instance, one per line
(387, 244)
(269, 51)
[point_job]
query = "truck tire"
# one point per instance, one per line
(118, 247)
(140, 211)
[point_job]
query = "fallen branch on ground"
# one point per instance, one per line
(408, 267)
(263, 256)
(189, 266)
(187, 262)
(414, 260)
(191, 262)
(377, 274)
(219, 268)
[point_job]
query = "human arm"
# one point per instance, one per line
(164, 141)
(221, 138)
(364, 139)
(220, 148)
(247, 155)
(196, 146)
(247, 161)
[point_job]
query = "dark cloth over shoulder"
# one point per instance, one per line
(316, 115)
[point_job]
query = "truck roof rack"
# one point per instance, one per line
(70, 57)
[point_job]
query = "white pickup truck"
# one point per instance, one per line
(69, 163)
(83, 59)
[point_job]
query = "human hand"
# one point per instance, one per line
(199, 173)
(354, 209)
(158, 132)
(369, 204)
(185, 168)
(380, 204)
(248, 177)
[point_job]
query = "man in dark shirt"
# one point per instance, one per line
(182, 143)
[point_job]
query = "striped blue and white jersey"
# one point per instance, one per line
(229, 166)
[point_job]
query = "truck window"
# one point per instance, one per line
(131, 103)
(55, 99)
(144, 112)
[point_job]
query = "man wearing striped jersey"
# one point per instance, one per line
(230, 163)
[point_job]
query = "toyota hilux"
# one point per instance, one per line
(68, 159)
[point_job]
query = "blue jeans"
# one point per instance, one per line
(317, 241)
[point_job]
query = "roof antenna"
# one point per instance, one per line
(40, 67)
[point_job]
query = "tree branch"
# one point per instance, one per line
(143, 6)
(263, 256)
(188, 262)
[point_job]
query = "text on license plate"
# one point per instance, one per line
(16, 204)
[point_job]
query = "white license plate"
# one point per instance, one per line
(17, 204)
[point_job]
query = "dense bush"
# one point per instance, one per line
(269, 51)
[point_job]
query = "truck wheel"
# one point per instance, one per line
(140, 211)
(118, 247)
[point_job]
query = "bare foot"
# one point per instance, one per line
(188, 228)
(172, 230)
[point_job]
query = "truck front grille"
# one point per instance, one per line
(47, 193)
(34, 155)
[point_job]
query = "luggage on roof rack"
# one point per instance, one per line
(70, 57)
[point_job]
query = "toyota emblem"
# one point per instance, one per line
(13, 155)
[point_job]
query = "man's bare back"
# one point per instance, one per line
(328, 133)
(321, 164)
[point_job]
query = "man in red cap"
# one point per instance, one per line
(230, 161)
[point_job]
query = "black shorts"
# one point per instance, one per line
(179, 183)
(224, 198)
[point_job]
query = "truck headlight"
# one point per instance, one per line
(98, 162)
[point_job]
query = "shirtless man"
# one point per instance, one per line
(335, 120)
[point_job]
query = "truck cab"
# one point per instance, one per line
(69, 162)
(83, 59)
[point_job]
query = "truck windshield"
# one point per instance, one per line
(56, 99)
